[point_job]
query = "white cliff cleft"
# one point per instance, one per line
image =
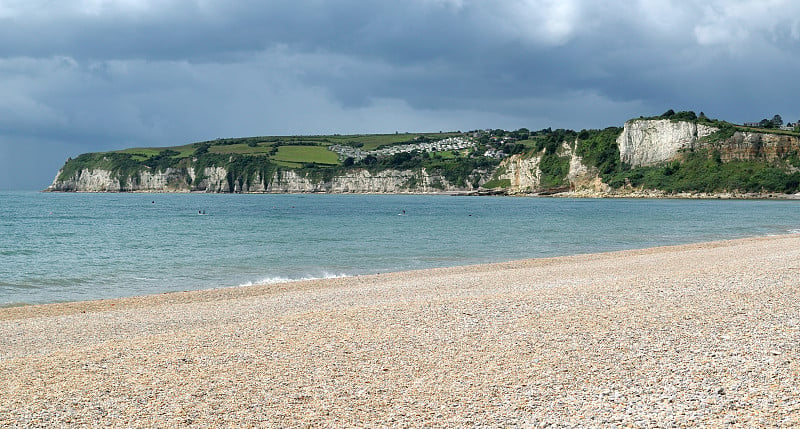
(648, 142)
(523, 173)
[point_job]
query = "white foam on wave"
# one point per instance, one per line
(274, 280)
(794, 231)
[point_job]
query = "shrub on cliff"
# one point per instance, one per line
(701, 171)
(121, 165)
(554, 170)
(163, 160)
(684, 115)
(551, 141)
(598, 148)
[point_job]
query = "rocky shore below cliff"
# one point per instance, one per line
(656, 194)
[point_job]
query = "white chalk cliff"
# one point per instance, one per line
(648, 142)
(522, 172)
(216, 180)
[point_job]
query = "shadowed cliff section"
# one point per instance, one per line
(670, 154)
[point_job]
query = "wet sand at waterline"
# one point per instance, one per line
(702, 334)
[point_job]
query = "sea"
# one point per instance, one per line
(58, 247)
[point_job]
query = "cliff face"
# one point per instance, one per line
(648, 142)
(216, 180)
(749, 145)
(105, 181)
(582, 177)
(361, 181)
(525, 173)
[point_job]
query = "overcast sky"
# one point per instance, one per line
(94, 75)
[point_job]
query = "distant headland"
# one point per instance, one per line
(676, 154)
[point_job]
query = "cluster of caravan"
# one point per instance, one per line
(450, 143)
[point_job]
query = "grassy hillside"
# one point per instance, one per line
(296, 156)
(248, 156)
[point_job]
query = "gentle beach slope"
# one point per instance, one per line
(705, 334)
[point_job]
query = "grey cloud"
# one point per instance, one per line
(111, 74)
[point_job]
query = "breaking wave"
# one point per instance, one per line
(279, 279)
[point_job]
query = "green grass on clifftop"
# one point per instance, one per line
(306, 154)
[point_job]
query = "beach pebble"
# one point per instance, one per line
(697, 335)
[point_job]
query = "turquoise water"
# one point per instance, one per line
(69, 247)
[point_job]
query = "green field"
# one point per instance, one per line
(286, 151)
(144, 153)
(241, 148)
(447, 154)
(374, 141)
(530, 143)
(766, 130)
(294, 156)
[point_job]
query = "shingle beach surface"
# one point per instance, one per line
(696, 335)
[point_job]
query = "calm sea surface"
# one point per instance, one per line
(70, 247)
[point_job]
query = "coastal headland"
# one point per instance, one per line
(694, 335)
(675, 155)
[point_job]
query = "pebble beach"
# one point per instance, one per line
(695, 335)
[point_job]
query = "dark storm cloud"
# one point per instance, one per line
(104, 74)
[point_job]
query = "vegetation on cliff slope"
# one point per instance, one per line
(694, 170)
(704, 171)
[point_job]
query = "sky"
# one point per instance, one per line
(82, 76)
